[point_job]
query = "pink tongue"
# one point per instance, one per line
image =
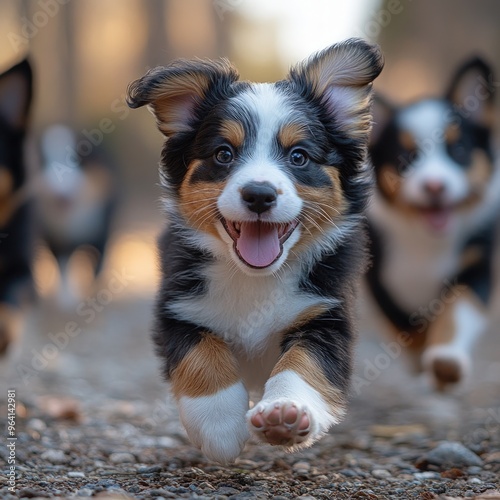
(258, 243)
(437, 219)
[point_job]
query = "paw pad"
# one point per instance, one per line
(280, 423)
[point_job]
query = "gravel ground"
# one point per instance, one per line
(95, 419)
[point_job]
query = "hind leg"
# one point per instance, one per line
(451, 338)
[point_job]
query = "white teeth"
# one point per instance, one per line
(237, 226)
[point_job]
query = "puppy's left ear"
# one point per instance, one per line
(472, 91)
(340, 78)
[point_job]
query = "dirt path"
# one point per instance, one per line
(94, 419)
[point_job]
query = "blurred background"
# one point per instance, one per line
(85, 53)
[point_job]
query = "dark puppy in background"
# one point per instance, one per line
(16, 243)
(265, 188)
(432, 220)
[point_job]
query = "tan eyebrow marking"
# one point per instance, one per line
(233, 131)
(292, 133)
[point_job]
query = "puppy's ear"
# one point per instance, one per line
(472, 91)
(340, 78)
(15, 94)
(176, 93)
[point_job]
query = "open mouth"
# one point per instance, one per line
(258, 244)
(437, 218)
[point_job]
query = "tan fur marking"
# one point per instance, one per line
(451, 134)
(389, 181)
(407, 140)
(471, 256)
(205, 370)
(303, 364)
(7, 201)
(442, 330)
(480, 170)
(6, 182)
(10, 326)
(307, 315)
(234, 132)
(323, 207)
(198, 203)
(292, 133)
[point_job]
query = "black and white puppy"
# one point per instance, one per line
(432, 219)
(16, 242)
(265, 186)
(76, 203)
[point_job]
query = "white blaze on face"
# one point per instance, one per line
(427, 122)
(259, 235)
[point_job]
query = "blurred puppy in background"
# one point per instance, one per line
(432, 219)
(16, 244)
(76, 201)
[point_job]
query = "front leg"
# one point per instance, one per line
(452, 337)
(306, 392)
(211, 398)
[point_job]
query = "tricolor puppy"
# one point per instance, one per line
(265, 190)
(432, 219)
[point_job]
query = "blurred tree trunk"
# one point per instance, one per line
(69, 62)
(157, 51)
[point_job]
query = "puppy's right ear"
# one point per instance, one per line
(176, 93)
(16, 89)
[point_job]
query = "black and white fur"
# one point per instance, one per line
(75, 206)
(16, 228)
(433, 217)
(265, 187)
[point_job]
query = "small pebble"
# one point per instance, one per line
(474, 470)
(85, 492)
(167, 442)
(448, 455)
(35, 424)
(75, 474)
(475, 480)
(55, 456)
(301, 467)
(381, 473)
(149, 469)
(121, 458)
(426, 475)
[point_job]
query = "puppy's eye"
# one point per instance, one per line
(298, 157)
(224, 155)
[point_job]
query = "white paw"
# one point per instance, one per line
(446, 363)
(216, 423)
(283, 422)
(292, 413)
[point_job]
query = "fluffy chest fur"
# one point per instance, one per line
(247, 312)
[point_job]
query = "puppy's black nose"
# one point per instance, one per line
(259, 196)
(434, 188)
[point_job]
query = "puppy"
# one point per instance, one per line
(16, 245)
(76, 203)
(265, 188)
(432, 220)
